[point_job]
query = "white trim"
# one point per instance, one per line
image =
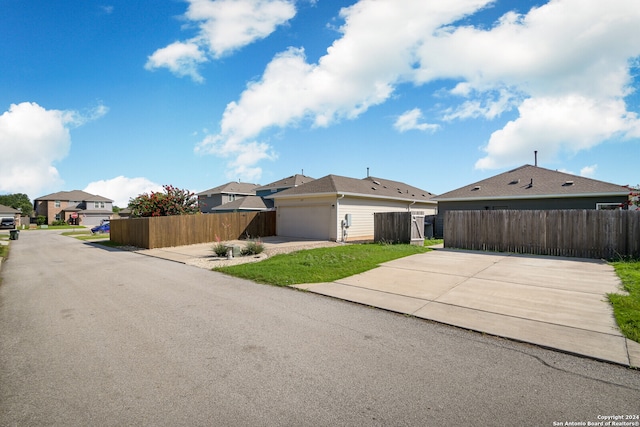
(600, 205)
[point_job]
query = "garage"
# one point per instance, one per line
(311, 222)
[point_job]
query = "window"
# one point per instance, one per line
(608, 206)
(98, 205)
(56, 203)
(232, 197)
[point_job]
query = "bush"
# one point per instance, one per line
(220, 249)
(59, 222)
(41, 220)
(253, 247)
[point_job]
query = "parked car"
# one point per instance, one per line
(8, 223)
(102, 228)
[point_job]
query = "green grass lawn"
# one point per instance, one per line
(321, 264)
(86, 235)
(626, 308)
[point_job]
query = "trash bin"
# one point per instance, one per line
(14, 234)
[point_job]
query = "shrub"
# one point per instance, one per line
(41, 220)
(59, 222)
(219, 248)
(254, 247)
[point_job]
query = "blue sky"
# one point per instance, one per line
(119, 97)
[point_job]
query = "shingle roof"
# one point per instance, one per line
(232, 187)
(251, 203)
(288, 182)
(532, 181)
(8, 209)
(368, 187)
(75, 195)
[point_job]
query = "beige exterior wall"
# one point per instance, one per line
(362, 210)
(321, 217)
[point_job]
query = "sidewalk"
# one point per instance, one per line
(553, 302)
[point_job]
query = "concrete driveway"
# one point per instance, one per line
(553, 302)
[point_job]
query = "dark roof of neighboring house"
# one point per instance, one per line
(288, 182)
(533, 182)
(75, 195)
(232, 187)
(8, 209)
(248, 203)
(367, 187)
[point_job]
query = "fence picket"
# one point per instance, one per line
(575, 233)
(180, 230)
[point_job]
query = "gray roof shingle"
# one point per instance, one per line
(532, 181)
(232, 187)
(74, 195)
(288, 182)
(368, 187)
(8, 210)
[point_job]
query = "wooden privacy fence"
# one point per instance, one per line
(574, 233)
(398, 227)
(180, 230)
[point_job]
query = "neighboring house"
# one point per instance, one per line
(241, 196)
(321, 208)
(229, 192)
(9, 212)
(283, 184)
(532, 188)
(244, 204)
(124, 213)
(90, 209)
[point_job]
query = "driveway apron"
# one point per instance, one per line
(554, 302)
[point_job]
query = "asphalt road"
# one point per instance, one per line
(91, 336)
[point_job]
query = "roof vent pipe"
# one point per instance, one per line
(535, 156)
(367, 171)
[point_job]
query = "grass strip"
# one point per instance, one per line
(626, 308)
(321, 264)
(86, 235)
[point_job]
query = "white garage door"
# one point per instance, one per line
(311, 222)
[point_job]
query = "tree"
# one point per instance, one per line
(634, 197)
(173, 201)
(18, 201)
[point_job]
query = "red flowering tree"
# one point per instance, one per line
(173, 201)
(634, 197)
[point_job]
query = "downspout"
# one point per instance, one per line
(411, 204)
(337, 211)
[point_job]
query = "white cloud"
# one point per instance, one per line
(555, 125)
(32, 140)
(568, 57)
(180, 58)
(223, 27)
(588, 171)
(120, 189)
(409, 121)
